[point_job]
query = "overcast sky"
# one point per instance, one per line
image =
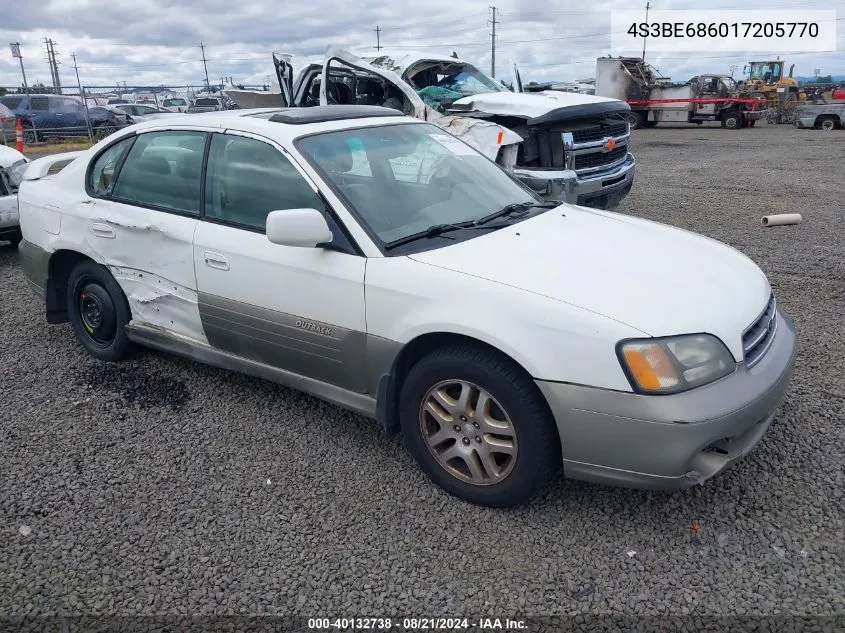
(155, 42)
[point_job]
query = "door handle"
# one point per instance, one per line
(103, 230)
(216, 260)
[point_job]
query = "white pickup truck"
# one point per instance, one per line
(564, 146)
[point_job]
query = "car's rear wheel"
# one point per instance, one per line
(98, 311)
(478, 426)
(828, 122)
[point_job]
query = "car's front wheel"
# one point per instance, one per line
(478, 426)
(98, 311)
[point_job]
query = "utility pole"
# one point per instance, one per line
(494, 22)
(204, 60)
(378, 39)
(16, 52)
(84, 100)
(647, 7)
(54, 64)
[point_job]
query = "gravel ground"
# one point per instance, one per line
(163, 486)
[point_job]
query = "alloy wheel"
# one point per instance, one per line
(468, 432)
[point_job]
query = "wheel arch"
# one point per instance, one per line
(390, 384)
(61, 264)
(823, 117)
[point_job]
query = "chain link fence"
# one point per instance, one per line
(47, 116)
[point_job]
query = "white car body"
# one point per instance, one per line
(9, 159)
(556, 293)
(144, 112)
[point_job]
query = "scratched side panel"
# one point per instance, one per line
(150, 254)
(318, 350)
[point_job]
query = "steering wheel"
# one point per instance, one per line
(332, 93)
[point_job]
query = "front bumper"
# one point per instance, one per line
(674, 441)
(603, 190)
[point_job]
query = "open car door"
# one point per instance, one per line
(417, 108)
(284, 73)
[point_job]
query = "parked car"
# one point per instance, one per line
(12, 166)
(52, 116)
(175, 104)
(8, 125)
(564, 146)
(464, 316)
(207, 104)
(829, 116)
(838, 93)
(142, 112)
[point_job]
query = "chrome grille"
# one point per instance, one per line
(758, 338)
(597, 133)
(599, 158)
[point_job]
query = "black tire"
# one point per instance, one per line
(635, 119)
(513, 393)
(649, 124)
(827, 122)
(98, 311)
(30, 136)
(14, 238)
(732, 120)
(102, 130)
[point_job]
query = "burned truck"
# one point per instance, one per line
(564, 146)
(654, 98)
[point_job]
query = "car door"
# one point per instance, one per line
(139, 219)
(418, 108)
(297, 309)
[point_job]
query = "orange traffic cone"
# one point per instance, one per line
(19, 135)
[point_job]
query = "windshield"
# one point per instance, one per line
(402, 179)
(207, 102)
(440, 83)
(11, 102)
(174, 102)
(767, 71)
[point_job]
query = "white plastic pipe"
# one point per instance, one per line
(781, 218)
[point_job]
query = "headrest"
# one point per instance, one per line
(154, 164)
(368, 86)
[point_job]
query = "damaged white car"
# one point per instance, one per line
(12, 167)
(564, 146)
(377, 262)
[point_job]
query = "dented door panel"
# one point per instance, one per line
(133, 241)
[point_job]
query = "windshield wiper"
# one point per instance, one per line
(513, 208)
(439, 229)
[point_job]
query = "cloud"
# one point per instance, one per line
(157, 42)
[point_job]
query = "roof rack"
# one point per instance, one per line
(321, 114)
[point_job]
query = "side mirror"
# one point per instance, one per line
(298, 227)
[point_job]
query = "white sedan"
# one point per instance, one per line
(376, 262)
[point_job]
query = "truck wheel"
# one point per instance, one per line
(635, 119)
(478, 426)
(828, 122)
(732, 120)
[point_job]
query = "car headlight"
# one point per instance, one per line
(676, 363)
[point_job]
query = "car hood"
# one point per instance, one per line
(652, 277)
(9, 156)
(541, 107)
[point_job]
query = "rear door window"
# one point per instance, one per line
(163, 170)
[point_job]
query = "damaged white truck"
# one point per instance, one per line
(12, 166)
(564, 146)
